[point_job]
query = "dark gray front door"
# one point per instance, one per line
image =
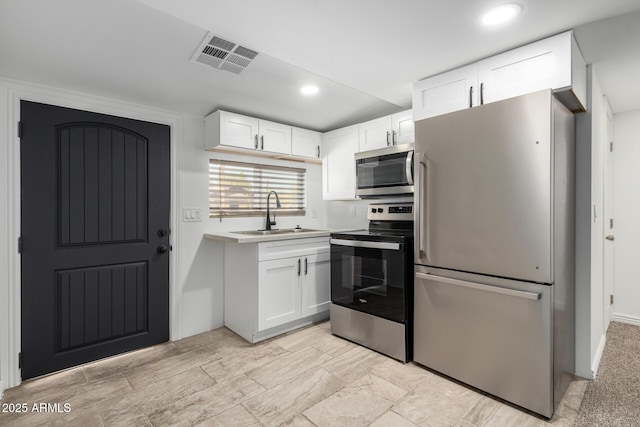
(95, 236)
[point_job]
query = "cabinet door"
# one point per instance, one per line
(305, 143)
(541, 65)
(338, 163)
(316, 285)
(278, 292)
(402, 128)
(238, 131)
(275, 137)
(451, 91)
(375, 134)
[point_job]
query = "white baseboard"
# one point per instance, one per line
(598, 356)
(623, 318)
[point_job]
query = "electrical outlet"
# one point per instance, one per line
(192, 215)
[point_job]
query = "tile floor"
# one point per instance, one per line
(304, 378)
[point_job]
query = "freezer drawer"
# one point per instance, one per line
(493, 334)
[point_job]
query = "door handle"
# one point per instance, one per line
(394, 137)
(305, 266)
(610, 237)
(388, 141)
(163, 249)
(298, 266)
(262, 142)
(481, 93)
(255, 138)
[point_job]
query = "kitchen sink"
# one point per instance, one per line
(274, 231)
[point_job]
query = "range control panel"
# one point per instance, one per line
(390, 212)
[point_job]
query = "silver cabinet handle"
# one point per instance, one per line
(255, 138)
(298, 266)
(305, 267)
(481, 93)
(388, 140)
(394, 137)
(610, 237)
(318, 148)
(534, 296)
(262, 142)
(366, 244)
(470, 96)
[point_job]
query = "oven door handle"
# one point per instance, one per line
(366, 244)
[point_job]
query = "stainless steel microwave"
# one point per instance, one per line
(385, 172)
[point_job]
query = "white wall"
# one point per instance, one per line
(590, 334)
(626, 184)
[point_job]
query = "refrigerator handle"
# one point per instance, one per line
(421, 210)
(409, 168)
(534, 296)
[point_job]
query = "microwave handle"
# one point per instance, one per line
(421, 251)
(409, 168)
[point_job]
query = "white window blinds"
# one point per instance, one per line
(241, 189)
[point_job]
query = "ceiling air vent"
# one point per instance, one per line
(223, 54)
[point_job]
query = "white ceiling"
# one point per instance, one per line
(364, 54)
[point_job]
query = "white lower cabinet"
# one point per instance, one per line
(276, 286)
(278, 292)
(291, 288)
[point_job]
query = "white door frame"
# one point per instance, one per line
(608, 254)
(16, 91)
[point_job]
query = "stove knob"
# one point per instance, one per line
(380, 210)
(373, 210)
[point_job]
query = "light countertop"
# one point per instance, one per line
(229, 236)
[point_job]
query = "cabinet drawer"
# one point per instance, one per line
(292, 248)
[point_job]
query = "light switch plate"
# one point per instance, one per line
(192, 215)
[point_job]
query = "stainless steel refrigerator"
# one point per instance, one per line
(494, 248)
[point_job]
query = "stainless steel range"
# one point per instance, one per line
(372, 281)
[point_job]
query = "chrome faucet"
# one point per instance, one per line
(269, 223)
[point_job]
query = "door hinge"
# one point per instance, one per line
(611, 147)
(610, 222)
(20, 360)
(19, 245)
(20, 129)
(611, 299)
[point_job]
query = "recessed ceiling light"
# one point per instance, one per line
(309, 90)
(501, 14)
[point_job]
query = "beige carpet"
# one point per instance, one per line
(613, 398)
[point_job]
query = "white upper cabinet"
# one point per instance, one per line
(403, 126)
(248, 135)
(274, 137)
(555, 62)
(232, 130)
(305, 143)
(338, 163)
(386, 131)
(447, 92)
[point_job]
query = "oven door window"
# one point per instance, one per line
(383, 171)
(369, 280)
